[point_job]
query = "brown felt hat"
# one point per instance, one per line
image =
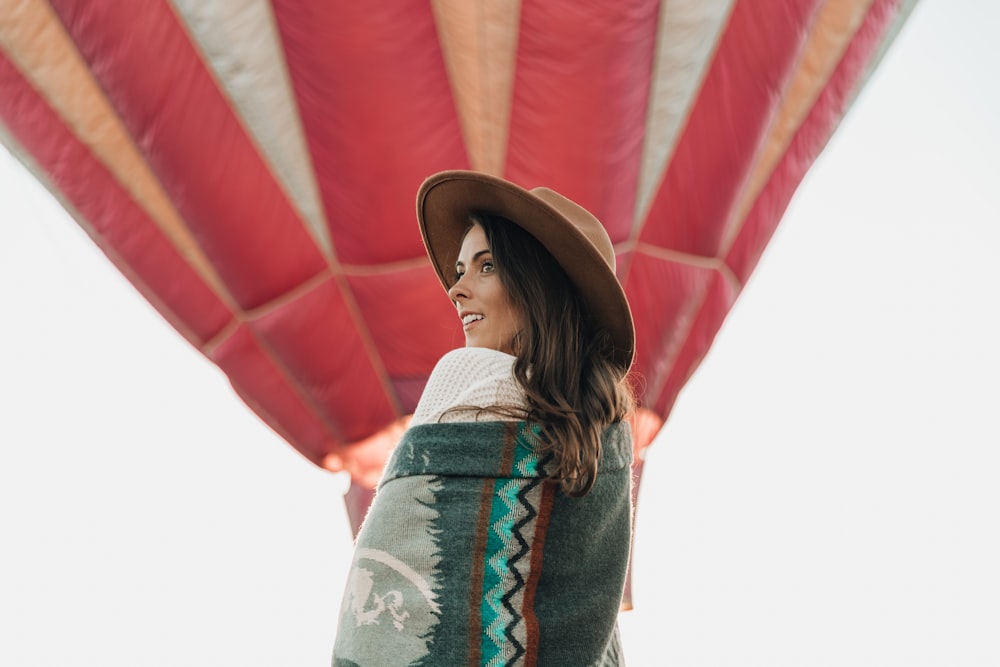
(575, 238)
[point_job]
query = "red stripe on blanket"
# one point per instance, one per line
(531, 585)
(478, 566)
(509, 446)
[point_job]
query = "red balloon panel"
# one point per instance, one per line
(580, 101)
(255, 372)
(412, 324)
(174, 108)
(727, 124)
(322, 347)
(717, 298)
(377, 109)
(809, 140)
(666, 296)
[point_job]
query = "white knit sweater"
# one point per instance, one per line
(469, 377)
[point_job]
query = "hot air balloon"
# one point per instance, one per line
(251, 167)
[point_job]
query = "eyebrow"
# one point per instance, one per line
(474, 257)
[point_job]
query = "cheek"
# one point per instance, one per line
(516, 317)
(513, 318)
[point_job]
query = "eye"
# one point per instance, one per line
(488, 266)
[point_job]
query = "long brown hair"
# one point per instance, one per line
(573, 389)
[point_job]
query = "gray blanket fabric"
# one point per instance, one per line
(471, 555)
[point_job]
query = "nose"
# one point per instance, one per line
(458, 290)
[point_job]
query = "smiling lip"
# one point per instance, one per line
(470, 320)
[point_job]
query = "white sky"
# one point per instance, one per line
(825, 492)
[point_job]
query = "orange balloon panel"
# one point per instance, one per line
(252, 166)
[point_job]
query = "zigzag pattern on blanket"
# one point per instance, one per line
(523, 548)
(512, 528)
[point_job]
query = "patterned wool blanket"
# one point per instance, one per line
(471, 555)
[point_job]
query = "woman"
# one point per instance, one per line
(500, 531)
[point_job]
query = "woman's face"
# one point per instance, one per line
(489, 319)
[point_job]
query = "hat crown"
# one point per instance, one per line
(583, 220)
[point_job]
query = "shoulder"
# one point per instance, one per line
(471, 365)
(468, 376)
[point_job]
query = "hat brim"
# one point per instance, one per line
(444, 203)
